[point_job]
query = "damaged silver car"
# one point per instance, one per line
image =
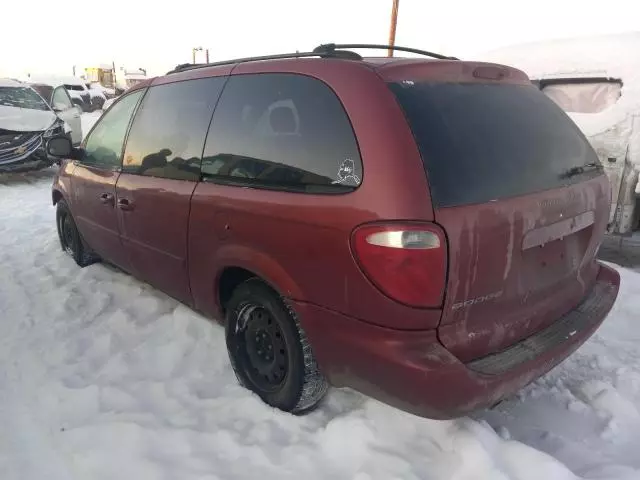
(26, 123)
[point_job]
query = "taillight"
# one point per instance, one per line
(406, 261)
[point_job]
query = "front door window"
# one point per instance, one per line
(103, 147)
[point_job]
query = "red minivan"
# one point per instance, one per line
(423, 230)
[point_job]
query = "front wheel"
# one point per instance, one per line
(70, 239)
(269, 350)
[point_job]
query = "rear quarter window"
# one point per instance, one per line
(482, 142)
(282, 131)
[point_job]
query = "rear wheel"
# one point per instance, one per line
(70, 239)
(269, 351)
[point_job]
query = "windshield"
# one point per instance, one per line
(482, 142)
(21, 97)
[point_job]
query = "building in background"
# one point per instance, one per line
(103, 74)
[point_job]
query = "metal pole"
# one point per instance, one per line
(193, 56)
(206, 53)
(394, 22)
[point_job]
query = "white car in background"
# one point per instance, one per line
(58, 99)
(596, 81)
(98, 95)
(106, 91)
(75, 87)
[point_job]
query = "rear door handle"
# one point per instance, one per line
(125, 204)
(106, 198)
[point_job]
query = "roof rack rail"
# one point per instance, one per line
(329, 48)
(345, 54)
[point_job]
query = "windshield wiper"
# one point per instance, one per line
(573, 171)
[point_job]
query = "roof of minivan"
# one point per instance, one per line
(389, 68)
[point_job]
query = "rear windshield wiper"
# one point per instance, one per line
(589, 167)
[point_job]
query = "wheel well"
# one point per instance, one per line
(57, 196)
(230, 279)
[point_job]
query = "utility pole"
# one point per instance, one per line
(394, 22)
(193, 53)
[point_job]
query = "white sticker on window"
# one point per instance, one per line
(347, 174)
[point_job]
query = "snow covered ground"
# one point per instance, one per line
(104, 377)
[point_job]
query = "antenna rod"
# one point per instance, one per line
(394, 22)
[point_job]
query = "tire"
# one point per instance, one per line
(99, 103)
(70, 239)
(269, 351)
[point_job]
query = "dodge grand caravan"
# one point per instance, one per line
(421, 230)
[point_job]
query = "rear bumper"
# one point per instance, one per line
(414, 372)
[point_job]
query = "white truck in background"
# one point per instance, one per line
(596, 81)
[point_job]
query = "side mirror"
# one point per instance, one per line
(60, 146)
(59, 107)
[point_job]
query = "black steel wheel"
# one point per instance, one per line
(269, 350)
(262, 347)
(70, 239)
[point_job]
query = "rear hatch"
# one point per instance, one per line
(519, 192)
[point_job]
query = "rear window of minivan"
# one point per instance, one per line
(482, 142)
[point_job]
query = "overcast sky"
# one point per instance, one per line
(51, 36)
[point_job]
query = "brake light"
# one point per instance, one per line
(491, 72)
(406, 262)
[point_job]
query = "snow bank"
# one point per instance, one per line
(104, 377)
(95, 93)
(598, 56)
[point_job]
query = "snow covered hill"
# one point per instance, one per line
(103, 377)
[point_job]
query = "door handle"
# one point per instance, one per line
(125, 204)
(106, 198)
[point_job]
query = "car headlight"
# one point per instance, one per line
(57, 128)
